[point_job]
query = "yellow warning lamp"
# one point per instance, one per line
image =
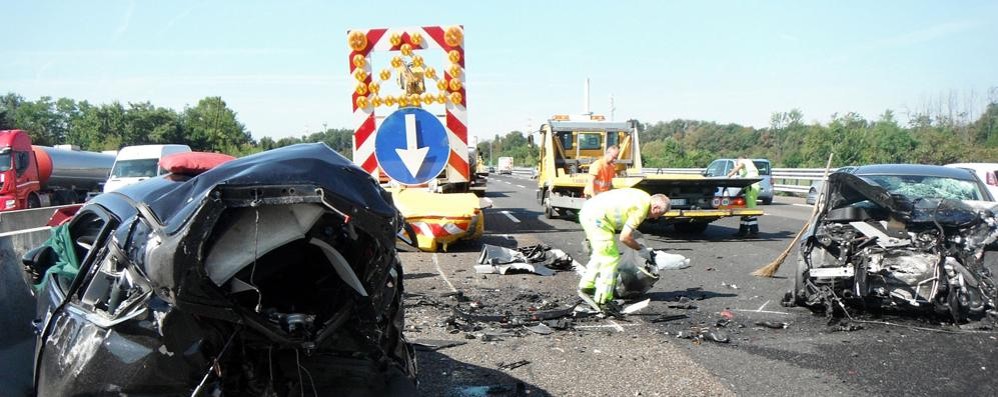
(403, 100)
(429, 98)
(396, 62)
(361, 89)
(455, 98)
(442, 98)
(389, 100)
(385, 74)
(374, 87)
(357, 40)
(416, 39)
(454, 56)
(455, 71)
(442, 85)
(453, 36)
(406, 49)
(395, 39)
(455, 85)
(359, 61)
(416, 99)
(376, 101)
(430, 73)
(417, 61)
(360, 75)
(362, 102)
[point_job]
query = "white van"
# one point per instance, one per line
(138, 163)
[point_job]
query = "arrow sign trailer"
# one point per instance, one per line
(411, 146)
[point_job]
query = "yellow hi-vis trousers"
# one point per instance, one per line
(601, 271)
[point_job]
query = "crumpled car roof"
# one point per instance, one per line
(310, 163)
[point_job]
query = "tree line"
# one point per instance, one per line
(208, 126)
(929, 138)
(932, 137)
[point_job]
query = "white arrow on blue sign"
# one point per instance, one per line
(411, 146)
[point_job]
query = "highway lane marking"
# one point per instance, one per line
(441, 273)
(619, 328)
(804, 205)
(521, 186)
(15, 232)
(763, 306)
(615, 326)
(758, 311)
(510, 216)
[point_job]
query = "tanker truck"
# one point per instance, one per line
(40, 176)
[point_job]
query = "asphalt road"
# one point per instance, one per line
(638, 357)
(635, 356)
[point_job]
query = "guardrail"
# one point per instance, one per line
(790, 180)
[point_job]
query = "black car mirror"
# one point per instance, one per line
(704, 173)
(37, 261)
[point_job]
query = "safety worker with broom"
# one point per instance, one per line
(601, 218)
(745, 168)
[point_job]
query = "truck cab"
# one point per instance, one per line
(138, 163)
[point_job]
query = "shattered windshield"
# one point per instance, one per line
(915, 187)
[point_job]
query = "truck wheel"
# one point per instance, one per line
(550, 212)
(34, 201)
(691, 227)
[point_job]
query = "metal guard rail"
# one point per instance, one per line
(794, 180)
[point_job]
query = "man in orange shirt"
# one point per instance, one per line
(602, 172)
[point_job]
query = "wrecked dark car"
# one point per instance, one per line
(271, 275)
(901, 238)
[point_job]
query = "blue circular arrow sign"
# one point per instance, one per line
(411, 146)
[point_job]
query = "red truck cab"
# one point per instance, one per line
(19, 173)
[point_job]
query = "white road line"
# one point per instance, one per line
(442, 274)
(763, 306)
(521, 186)
(619, 328)
(11, 233)
(760, 311)
(616, 326)
(804, 205)
(510, 216)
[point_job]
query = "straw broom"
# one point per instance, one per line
(770, 269)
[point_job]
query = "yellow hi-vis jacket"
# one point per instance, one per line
(607, 213)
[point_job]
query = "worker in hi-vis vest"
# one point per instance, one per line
(745, 168)
(602, 172)
(601, 218)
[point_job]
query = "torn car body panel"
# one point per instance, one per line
(267, 275)
(876, 243)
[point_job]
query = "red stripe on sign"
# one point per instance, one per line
(370, 164)
(373, 36)
(437, 34)
(363, 132)
(459, 164)
(457, 127)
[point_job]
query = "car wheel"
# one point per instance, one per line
(767, 201)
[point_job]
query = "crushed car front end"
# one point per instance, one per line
(904, 243)
(271, 275)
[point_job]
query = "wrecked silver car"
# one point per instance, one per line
(271, 275)
(900, 237)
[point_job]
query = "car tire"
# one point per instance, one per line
(767, 201)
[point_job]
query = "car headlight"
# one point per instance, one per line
(10, 203)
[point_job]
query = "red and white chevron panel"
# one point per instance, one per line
(456, 114)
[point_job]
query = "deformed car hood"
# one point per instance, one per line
(186, 210)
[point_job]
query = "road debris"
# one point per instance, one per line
(435, 344)
(539, 259)
(668, 317)
(541, 329)
(512, 365)
(772, 324)
(636, 307)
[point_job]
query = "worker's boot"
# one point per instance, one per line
(742, 230)
(753, 227)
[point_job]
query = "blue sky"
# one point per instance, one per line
(282, 66)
